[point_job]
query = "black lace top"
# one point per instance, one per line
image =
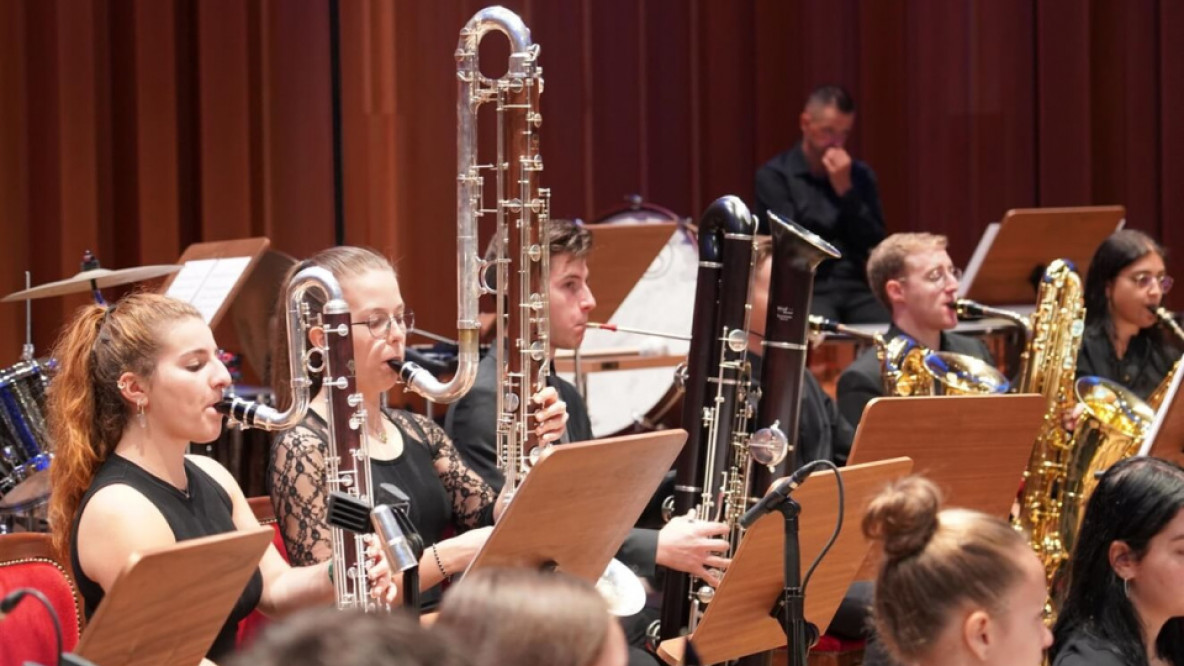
(443, 491)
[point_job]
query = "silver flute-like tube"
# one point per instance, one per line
(470, 95)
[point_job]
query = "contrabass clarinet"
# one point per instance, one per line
(347, 467)
(521, 267)
(774, 448)
(717, 357)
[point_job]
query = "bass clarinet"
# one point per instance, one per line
(347, 467)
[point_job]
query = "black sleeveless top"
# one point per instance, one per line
(205, 511)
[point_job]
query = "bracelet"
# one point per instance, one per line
(331, 572)
(436, 554)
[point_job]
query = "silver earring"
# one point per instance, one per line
(121, 385)
(1126, 587)
(140, 418)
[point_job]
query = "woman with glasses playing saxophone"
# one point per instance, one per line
(1125, 338)
(408, 450)
(913, 276)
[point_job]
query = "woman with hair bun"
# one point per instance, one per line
(955, 586)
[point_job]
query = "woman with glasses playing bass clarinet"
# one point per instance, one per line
(405, 449)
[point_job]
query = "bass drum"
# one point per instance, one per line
(640, 400)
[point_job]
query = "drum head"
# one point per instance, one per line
(28, 494)
(663, 300)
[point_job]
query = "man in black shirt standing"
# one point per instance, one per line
(821, 187)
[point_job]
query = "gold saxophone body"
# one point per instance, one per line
(1115, 423)
(1050, 362)
(907, 368)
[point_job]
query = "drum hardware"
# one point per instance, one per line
(25, 505)
(92, 278)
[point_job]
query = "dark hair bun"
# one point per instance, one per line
(903, 516)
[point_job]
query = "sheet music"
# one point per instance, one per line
(976, 259)
(205, 283)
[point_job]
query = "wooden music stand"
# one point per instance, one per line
(212, 273)
(1028, 238)
(738, 620)
(975, 448)
(168, 604)
(578, 503)
(621, 254)
(1166, 437)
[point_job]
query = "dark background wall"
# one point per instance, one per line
(137, 127)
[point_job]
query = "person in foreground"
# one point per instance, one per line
(322, 636)
(527, 617)
(405, 449)
(1125, 600)
(137, 383)
(955, 586)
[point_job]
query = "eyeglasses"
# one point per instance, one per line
(1145, 280)
(380, 323)
(938, 275)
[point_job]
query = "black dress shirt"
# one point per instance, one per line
(1146, 362)
(863, 379)
(853, 223)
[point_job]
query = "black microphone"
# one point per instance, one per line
(12, 599)
(777, 495)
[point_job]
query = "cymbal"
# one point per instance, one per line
(102, 278)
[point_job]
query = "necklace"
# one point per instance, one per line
(381, 434)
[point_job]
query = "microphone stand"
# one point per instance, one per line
(791, 608)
